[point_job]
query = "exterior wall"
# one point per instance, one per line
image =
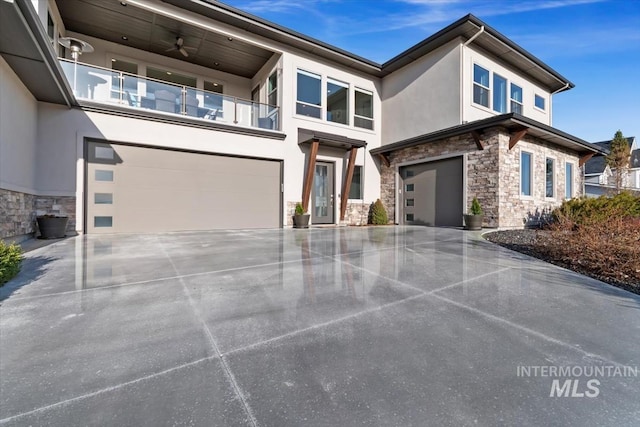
(424, 96)
(482, 171)
(471, 112)
(517, 211)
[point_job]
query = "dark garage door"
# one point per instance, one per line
(140, 189)
(432, 193)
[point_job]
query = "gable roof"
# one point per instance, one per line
(597, 164)
(466, 27)
(511, 121)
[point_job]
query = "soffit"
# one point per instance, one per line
(149, 31)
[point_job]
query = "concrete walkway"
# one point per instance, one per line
(393, 326)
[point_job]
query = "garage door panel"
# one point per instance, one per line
(159, 190)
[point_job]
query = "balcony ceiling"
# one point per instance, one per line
(145, 30)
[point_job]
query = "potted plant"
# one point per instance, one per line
(301, 217)
(473, 220)
(52, 226)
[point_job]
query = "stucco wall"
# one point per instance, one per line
(423, 96)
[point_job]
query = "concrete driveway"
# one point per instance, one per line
(392, 326)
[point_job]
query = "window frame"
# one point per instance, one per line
(554, 180)
(488, 89)
(535, 102)
(361, 117)
(495, 92)
(512, 100)
(569, 190)
(361, 175)
(531, 181)
(319, 107)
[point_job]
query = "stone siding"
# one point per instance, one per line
(493, 175)
(17, 213)
(517, 211)
(58, 205)
(482, 171)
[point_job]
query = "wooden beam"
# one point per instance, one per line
(346, 185)
(308, 181)
(384, 159)
(476, 138)
(515, 137)
(584, 159)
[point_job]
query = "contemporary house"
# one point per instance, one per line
(598, 176)
(167, 115)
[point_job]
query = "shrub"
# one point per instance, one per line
(10, 260)
(586, 211)
(476, 209)
(378, 214)
(299, 209)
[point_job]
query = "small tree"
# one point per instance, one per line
(618, 159)
(378, 214)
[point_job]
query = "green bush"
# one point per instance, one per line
(10, 260)
(585, 211)
(476, 209)
(378, 214)
(299, 209)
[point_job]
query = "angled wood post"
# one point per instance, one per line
(346, 185)
(308, 181)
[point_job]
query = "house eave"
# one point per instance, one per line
(511, 121)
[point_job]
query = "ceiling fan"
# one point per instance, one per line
(178, 45)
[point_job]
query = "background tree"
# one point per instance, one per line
(618, 159)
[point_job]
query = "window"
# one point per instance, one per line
(102, 175)
(549, 178)
(363, 117)
(480, 85)
(309, 95)
(355, 191)
(568, 178)
(539, 102)
(337, 102)
(102, 221)
(272, 90)
(213, 97)
(499, 93)
(51, 26)
(103, 198)
(409, 187)
(516, 99)
(525, 173)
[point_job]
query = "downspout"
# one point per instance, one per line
(462, 71)
(551, 102)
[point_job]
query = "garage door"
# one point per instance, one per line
(139, 189)
(433, 193)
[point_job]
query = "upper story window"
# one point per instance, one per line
(499, 93)
(516, 99)
(51, 26)
(539, 102)
(337, 102)
(363, 116)
(480, 85)
(526, 173)
(309, 97)
(128, 81)
(272, 90)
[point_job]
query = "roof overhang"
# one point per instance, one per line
(512, 122)
(26, 48)
(328, 139)
(490, 40)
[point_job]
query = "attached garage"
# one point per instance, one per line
(133, 189)
(433, 193)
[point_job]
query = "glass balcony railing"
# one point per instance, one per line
(114, 87)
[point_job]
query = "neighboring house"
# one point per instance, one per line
(192, 115)
(598, 176)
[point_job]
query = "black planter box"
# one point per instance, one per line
(52, 227)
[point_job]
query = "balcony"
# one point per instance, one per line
(107, 86)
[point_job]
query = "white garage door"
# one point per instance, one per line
(139, 189)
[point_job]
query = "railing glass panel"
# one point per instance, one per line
(115, 87)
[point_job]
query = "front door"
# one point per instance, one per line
(323, 194)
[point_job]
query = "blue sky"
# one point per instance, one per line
(593, 43)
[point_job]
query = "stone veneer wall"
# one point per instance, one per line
(517, 211)
(493, 175)
(482, 171)
(18, 212)
(357, 213)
